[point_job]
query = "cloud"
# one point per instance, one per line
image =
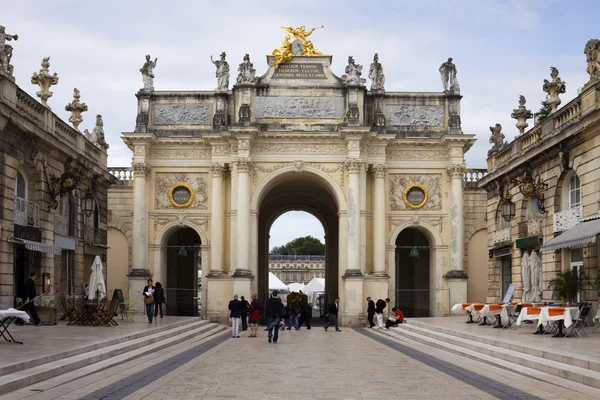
(292, 225)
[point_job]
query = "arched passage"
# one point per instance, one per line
(300, 191)
(413, 273)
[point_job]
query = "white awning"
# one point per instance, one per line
(37, 246)
(578, 236)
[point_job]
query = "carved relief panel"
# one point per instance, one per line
(164, 182)
(430, 184)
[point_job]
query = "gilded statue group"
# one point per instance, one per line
(301, 46)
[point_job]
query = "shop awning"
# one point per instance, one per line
(578, 236)
(37, 246)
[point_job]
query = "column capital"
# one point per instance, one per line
(243, 164)
(353, 165)
(217, 170)
(378, 170)
(456, 171)
(141, 169)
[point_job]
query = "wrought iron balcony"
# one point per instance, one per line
(91, 235)
(531, 227)
(567, 219)
(502, 235)
(27, 213)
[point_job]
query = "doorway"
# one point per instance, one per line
(412, 273)
(183, 265)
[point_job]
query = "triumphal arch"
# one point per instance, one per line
(212, 170)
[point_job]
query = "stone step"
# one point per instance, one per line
(553, 372)
(124, 350)
(27, 364)
(554, 354)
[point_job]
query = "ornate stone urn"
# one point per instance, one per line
(44, 80)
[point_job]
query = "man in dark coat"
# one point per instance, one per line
(304, 312)
(370, 311)
(333, 315)
(29, 294)
(379, 307)
(235, 308)
(274, 312)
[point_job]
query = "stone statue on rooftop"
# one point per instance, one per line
(98, 133)
(592, 55)
(353, 73)
(147, 71)
(44, 80)
(222, 72)
(76, 108)
(448, 75)
(376, 74)
(497, 138)
(247, 73)
(554, 88)
(5, 56)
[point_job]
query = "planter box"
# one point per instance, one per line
(48, 315)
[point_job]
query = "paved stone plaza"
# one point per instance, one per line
(353, 364)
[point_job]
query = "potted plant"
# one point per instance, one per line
(567, 285)
(48, 311)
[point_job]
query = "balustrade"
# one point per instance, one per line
(472, 176)
(124, 174)
(27, 213)
(531, 227)
(567, 219)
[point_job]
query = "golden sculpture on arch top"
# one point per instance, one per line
(301, 46)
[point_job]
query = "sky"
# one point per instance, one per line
(501, 49)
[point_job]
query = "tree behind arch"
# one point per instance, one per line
(306, 245)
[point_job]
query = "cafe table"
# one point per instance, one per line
(564, 316)
(7, 317)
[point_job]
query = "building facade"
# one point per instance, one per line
(383, 171)
(543, 192)
(53, 192)
(303, 269)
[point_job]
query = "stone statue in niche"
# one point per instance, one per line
(353, 73)
(222, 72)
(448, 75)
(247, 73)
(376, 74)
(497, 138)
(147, 71)
(592, 55)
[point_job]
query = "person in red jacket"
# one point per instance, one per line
(397, 318)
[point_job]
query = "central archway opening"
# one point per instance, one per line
(300, 191)
(413, 296)
(182, 287)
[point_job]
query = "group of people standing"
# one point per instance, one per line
(241, 310)
(377, 309)
(154, 297)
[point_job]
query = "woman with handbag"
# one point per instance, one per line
(149, 300)
(255, 308)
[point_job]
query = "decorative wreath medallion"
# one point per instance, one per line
(181, 195)
(415, 196)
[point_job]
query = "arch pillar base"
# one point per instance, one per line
(377, 286)
(456, 282)
(218, 293)
(242, 285)
(352, 297)
(137, 280)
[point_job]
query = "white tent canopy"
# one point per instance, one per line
(296, 287)
(315, 285)
(275, 283)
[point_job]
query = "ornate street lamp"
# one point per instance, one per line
(508, 209)
(89, 204)
(414, 252)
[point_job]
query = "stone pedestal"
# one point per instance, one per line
(456, 282)
(377, 287)
(138, 278)
(242, 285)
(352, 301)
(218, 294)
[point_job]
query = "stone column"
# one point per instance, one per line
(216, 220)
(379, 241)
(139, 247)
(353, 259)
(242, 275)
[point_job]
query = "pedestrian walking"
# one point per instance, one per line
(379, 307)
(255, 308)
(159, 299)
(333, 315)
(274, 313)
(304, 313)
(293, 309)
(370, 311)
(29, 294)
(149, 299)
(235, 312)
(244, 307)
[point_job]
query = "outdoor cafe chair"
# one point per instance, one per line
(512, 318)
(580, 323)
(596, 320)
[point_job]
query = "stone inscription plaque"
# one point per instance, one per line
(299, 71)
(405, 115)
(182, 114)
(299, 107)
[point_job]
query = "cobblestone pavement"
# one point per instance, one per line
(352, 364)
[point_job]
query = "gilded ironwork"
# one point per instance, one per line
(415, 186)
(301, 46)
(533, 188)
(181, 205)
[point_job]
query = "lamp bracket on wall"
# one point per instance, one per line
(533, 188)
